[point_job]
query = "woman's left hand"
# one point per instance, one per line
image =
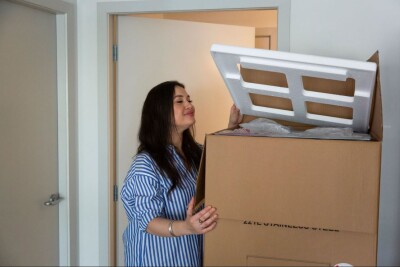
(235, 117)
(202, 222)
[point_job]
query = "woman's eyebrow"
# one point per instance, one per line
(181, 96)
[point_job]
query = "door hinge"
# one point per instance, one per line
(115, 52)
(115, 193)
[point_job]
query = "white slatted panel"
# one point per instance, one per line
(295, 66)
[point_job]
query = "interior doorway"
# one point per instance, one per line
(264, 22)
(260, 29)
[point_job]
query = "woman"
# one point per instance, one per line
(158, 191)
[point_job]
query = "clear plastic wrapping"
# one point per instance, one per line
(267, 127)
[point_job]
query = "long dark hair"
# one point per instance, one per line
(155, 132)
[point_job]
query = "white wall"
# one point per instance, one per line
(340, 28)
(87, 134)
(355, 30)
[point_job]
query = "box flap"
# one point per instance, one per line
(326, 184)
(377, 118)
(298, 88)
(200, 183)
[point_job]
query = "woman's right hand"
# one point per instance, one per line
(203, 221)
(235, 117)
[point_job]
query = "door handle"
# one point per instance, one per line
(53, 200)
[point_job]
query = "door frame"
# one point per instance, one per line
(105, 13)
(66, 107)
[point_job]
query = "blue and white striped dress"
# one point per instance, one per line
(145, 197)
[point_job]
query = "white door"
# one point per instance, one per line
(28, 139)
(151, 51)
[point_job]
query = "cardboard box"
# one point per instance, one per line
(293, 202)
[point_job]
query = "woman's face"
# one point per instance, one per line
(183, 110)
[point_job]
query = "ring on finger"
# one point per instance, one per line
(200, 221)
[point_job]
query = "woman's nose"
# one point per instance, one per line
(188, 104)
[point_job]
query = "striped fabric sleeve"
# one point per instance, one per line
(142, 194)
(128, 199)
(149, 202)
